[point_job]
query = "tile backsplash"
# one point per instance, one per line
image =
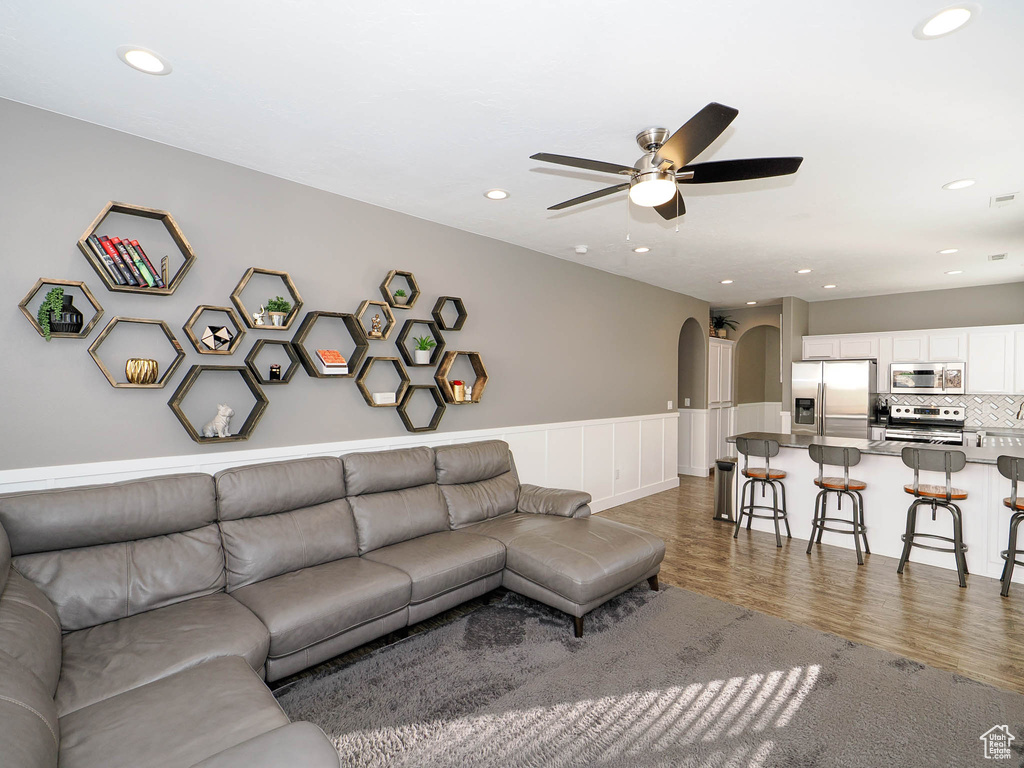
(983, 411)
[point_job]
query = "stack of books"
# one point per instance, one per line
(126, 262)
(331, 363)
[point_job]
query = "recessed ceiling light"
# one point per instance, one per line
(955, 272)
(803, 271)
(496, 194)
(641, 249)
(830, 285)
(945, 21)
(959, 184)
(751, 303)
(144, 60)
(947, 251)
(727, 282)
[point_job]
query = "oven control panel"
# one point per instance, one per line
(928, 412)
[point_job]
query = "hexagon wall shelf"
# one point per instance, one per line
(289, 286)
(460, 309)
(201, 348)
(441, 377)
(389, 319)
(248, 426)
(99, 264)
(308, 358)
(403, 338)
(94, 352)
(403, 384)
(252, 361)
(439, 407)
(388, 290)
(53, 283)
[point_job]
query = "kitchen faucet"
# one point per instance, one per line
(1020, 411)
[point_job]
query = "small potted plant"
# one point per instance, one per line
(721, 325)
(57, 314)
(278, 309)
(424, 345)
(401, 297)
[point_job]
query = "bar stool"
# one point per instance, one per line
(935, 496)
(766, 478)
(1012, 468)
(835, 456)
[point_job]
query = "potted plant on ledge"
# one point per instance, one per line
(278, 309)
(721, 325)
(401, 297)
(424, 345)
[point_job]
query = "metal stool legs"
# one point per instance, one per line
(778, 489)
(1010, 555)
(958, 548)
(858, 528)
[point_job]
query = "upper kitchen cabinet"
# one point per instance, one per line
(1018, 380)
(947, 347)
(720, 354)
(990, 366)
(858, 347)
(821, 347)
(910, 348)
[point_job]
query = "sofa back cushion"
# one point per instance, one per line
(280, 517)
(29, 730)
(30, 630)
(394, 496)
(478, 481)
(101, 553)
(5, 558)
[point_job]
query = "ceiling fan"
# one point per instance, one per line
(653, 179)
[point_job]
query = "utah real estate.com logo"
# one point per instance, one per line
(997, 742)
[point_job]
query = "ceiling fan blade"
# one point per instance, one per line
(740, 170)
(579, 162)
(698, 133)
(587, 198)
(669, 210)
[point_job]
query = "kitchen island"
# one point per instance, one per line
(986, 519)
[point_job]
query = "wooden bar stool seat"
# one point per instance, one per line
(935, 491)
(759, 474)
(1010, 503)
(1012, 468)
(839, 484)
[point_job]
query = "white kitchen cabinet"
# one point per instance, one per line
(725, 385)
(947, 347)
(884, 360)
(820, 347)
(1018, 379)
(858, 347)
(990, 367)
(910, 348)
(720, 353)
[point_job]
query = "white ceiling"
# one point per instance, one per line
(420, 107)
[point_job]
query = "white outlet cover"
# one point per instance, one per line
(686, 402)
(670, 405)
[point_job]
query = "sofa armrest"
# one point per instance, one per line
(553, 501)
(290, 745)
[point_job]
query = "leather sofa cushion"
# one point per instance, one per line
(584, 559)
(5, 558)
(472, 462)
(507, 528)
(94, 585)
(472, 502)
(42, 521)
(380, 471)
(296, 744)
(440, 562)
(306, 607)
(174, 722)
(107, 660)
(30, 629)
(280, 486)
(259, 548)
(29, 731)
(394, 516)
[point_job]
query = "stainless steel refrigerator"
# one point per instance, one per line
(834, 397)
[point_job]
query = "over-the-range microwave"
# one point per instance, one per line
(927, 378)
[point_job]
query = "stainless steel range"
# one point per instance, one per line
(941, 424)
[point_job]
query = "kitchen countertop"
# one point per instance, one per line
(987, 455)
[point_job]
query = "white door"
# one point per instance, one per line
(714, 373)
(725, 374)
(714, 428)
(947, 347)
(910, 349)
(990, 362)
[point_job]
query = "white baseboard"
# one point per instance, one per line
(693, 471)
(622, 498)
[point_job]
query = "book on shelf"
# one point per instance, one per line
(108, 246)
(139, 263)
(157, 276)
(331, 363)
(105, 260)
(127, 259)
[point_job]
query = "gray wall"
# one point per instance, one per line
(951, 308)
(756, 366)
(794, 327)
(751, 317)
(693, 365)
(560, 341)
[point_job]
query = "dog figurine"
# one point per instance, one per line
(218, 425)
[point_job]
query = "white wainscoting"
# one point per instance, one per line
(758, 417)
(615, 460)
(693, 442)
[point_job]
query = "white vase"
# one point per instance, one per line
(277, 318)
(422, 356)
(401, 300)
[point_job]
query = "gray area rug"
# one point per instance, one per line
(660, 679)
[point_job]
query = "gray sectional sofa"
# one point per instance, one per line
(139, 620)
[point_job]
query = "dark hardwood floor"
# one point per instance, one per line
(923, 614)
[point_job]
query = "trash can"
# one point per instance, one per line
(723, 489)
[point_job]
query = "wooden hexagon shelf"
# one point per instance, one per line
(403, 384)
(388, 291)
(389, 319)
(460, 309)
(53, 282)
(439, 407)
(289, 286)
(252, 360)
(106, 271)
(403, 337)
(248, 426)
(94, 352)
(308, 359)
(197, 342)
(441, 377)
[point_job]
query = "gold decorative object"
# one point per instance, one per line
(141, 370)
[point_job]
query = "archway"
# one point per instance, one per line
(757, 380)
(692, 362)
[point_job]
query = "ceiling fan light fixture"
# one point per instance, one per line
(653, 188)
(946, 21)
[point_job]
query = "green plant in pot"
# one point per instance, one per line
(52, 305)
(721, 324)
(401, 297)
(424, 347)
(278, 309)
